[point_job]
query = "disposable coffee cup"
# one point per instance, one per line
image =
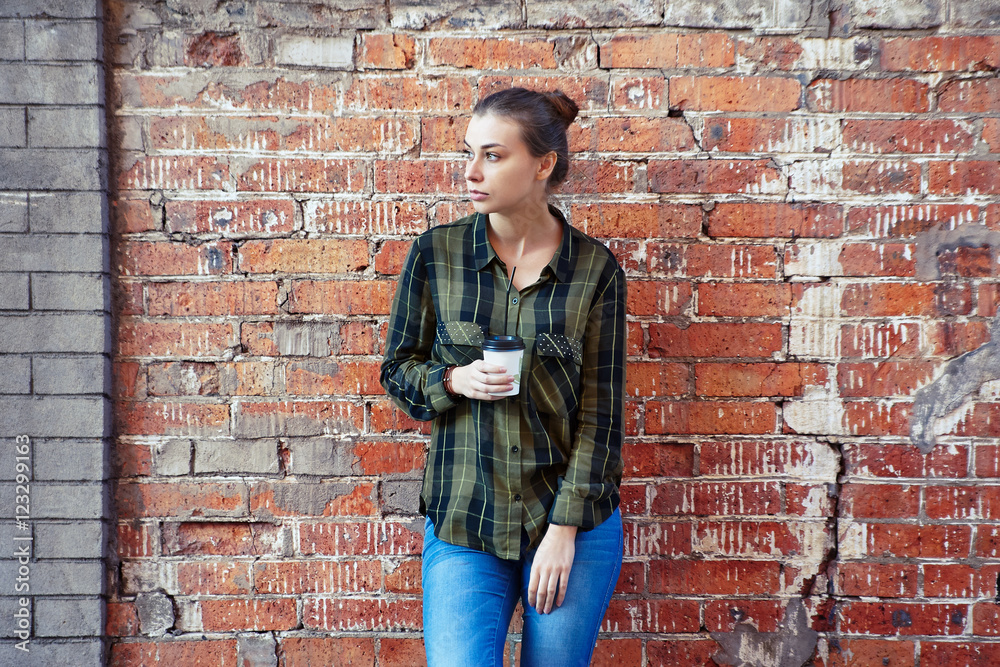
(507, 352)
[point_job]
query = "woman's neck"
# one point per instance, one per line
(519, 232)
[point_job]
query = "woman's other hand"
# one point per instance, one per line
(481, 380)
(550, 568)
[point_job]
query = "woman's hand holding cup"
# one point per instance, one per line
(481, 381)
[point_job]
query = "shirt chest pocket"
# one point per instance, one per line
(555, 375)
(458, 342)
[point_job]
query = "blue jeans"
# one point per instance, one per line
(470, 595)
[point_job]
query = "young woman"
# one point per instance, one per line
(521, 493)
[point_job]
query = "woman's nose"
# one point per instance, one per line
(472, 170)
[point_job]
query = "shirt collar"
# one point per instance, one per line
(560, 265)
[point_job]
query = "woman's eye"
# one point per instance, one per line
(492, 156)
(467, 155)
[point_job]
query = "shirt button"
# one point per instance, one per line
(514, 449)
(514, 301)
(517, 497)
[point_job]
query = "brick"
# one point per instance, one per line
(592, 13)
(303, 256)
(960, 580)
(879, 176)
(734, 93)
(752, 380)
(880, 500)
(69, 332)
(79, 253)
(182, 379)
(260, 615)
(69, 291)
(258, 457)
(61, 40)
(13, 212)
(959, 502)
(217, 298)
(297, 418)
(637, 220)
(651, 616)
(598, 176)
(50, 169)
(724, 615)
(634, 93)
(991, 133)
(963, 652)
(419, 176)
(703, 339)
(941, 54)
(16, 372)
(181, 499)
(219, 538)
(883, 379)
(897, 461)
(310, 51)
(715, 176)
(65, 128)
(656, 298)
(907, 136)
(668, 51)
(302, 175)
(759, 459)
(907, 221)
(658, 459)
(964, 177)
(327, 650)
(491, 53)
(754, 15)
(681, 651)
(271, 500)
(445, 95)
(711, 261)
(905, 619)
(915, 541)
(589, 92)
(880, 340)
(972, 262)
(656, 379)
(356, 539)
(371, 297)
(874, 95)
(390, 256)
(283, 134)
(210, 88)
(321, 378)
(744, 299)
(13, 133)
(915, 299)
(610, 652)
(174, 339)
(215, 577)
(15, 293)
(643, 135)
(365, 217)
(151, 258)
(298, 577)
(768, 220)
(31, 83)
(757, 135)
(709, 417)
(171, 418)
(714, 577)
(403, 577)
(970, 96)
(200, 653)
(134, 541)
(211, 49)
(122, 621)
(12, 41)
(67, 617)
(756, 539)
(382, 457)
(715, 498)
(174, 173)
(132, 215)
(853, 259)
(387, 51)
(876, 418)
(72, 375)
(361, 614)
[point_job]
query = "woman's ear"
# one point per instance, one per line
(546, 165)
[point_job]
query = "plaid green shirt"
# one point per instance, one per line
(552, 454)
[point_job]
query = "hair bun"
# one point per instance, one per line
(564, 107)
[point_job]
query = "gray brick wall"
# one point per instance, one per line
(54, 328)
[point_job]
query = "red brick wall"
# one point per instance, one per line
(809, 227)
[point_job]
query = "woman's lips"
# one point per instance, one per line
(476, 195)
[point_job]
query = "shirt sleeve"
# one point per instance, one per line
(411, 378)
(595, 465)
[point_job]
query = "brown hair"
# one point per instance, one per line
(543, 118)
